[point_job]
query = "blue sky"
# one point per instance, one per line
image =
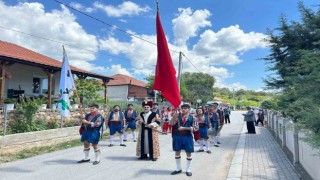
(220, 37)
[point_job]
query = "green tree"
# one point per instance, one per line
(294, 58)
(88, 89)
(199, 86)
(269, 104)
(150, 82)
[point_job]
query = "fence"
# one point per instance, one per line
(303, 156)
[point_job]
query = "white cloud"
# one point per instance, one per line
(236, 86)
(142, 55)
(123, 20)
(145, 72)
(82, 8)
(117, 69)
(223, 47)
(127, 8)
(187, 24)
(87, 66)
(58, 25)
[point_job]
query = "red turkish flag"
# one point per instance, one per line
(165, 77)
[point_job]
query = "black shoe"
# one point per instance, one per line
(218, 142)
(134, 140)
(200, 150)
(124, 140)
(143, 157)
(110, 145)
(216, 145)
(123, 145)
(209, 152)
(154, 159)
(95, 162)
(82, 161)
(189, 173)
(176, 172)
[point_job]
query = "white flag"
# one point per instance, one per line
(66, 87)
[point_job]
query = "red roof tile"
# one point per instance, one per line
(27, 56)
(120, 79)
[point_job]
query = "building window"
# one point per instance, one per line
(36, 85)
(40, 85)
(44, 86)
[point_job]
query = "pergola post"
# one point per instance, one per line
(105, 82)
(49, 73)
(2, 82)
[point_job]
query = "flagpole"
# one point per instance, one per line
(157, 3)
(179, 70)
(66, 88)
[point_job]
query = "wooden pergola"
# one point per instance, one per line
(11, 54)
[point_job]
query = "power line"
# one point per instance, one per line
(62, 43)
(59, 42)
(190, 62)
(121, 30)
(112, 26)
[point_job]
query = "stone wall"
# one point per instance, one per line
(13, 143)
(49, 114)
(16, 142)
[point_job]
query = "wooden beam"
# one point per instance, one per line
(105, 82)
(2, 82)
(49, 73)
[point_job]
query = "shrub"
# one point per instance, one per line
(25, 123)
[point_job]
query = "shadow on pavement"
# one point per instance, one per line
(155, 172)
(61, 161)
(120, 158)
(15, 170)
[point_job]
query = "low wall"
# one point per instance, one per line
(17, 142)
(303, 156)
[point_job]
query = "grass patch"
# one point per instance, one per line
(38, 150)
(26, 153)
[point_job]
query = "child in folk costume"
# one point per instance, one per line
(166, 117)
(204, 124)
(183, 125)
(91, 125)
(213, 117)
(130, 115)
(196, 134)
(116, 122)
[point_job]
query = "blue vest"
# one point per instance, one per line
(120, 113)
(214, 118)
(188, 124)
(133, 115)
(94, 119)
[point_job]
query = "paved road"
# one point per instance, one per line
(120, 162)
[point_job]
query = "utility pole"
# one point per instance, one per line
(179, 70)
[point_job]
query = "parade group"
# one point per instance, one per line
(186, 125)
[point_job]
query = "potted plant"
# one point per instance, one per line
(43, 102)
(9, 103)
